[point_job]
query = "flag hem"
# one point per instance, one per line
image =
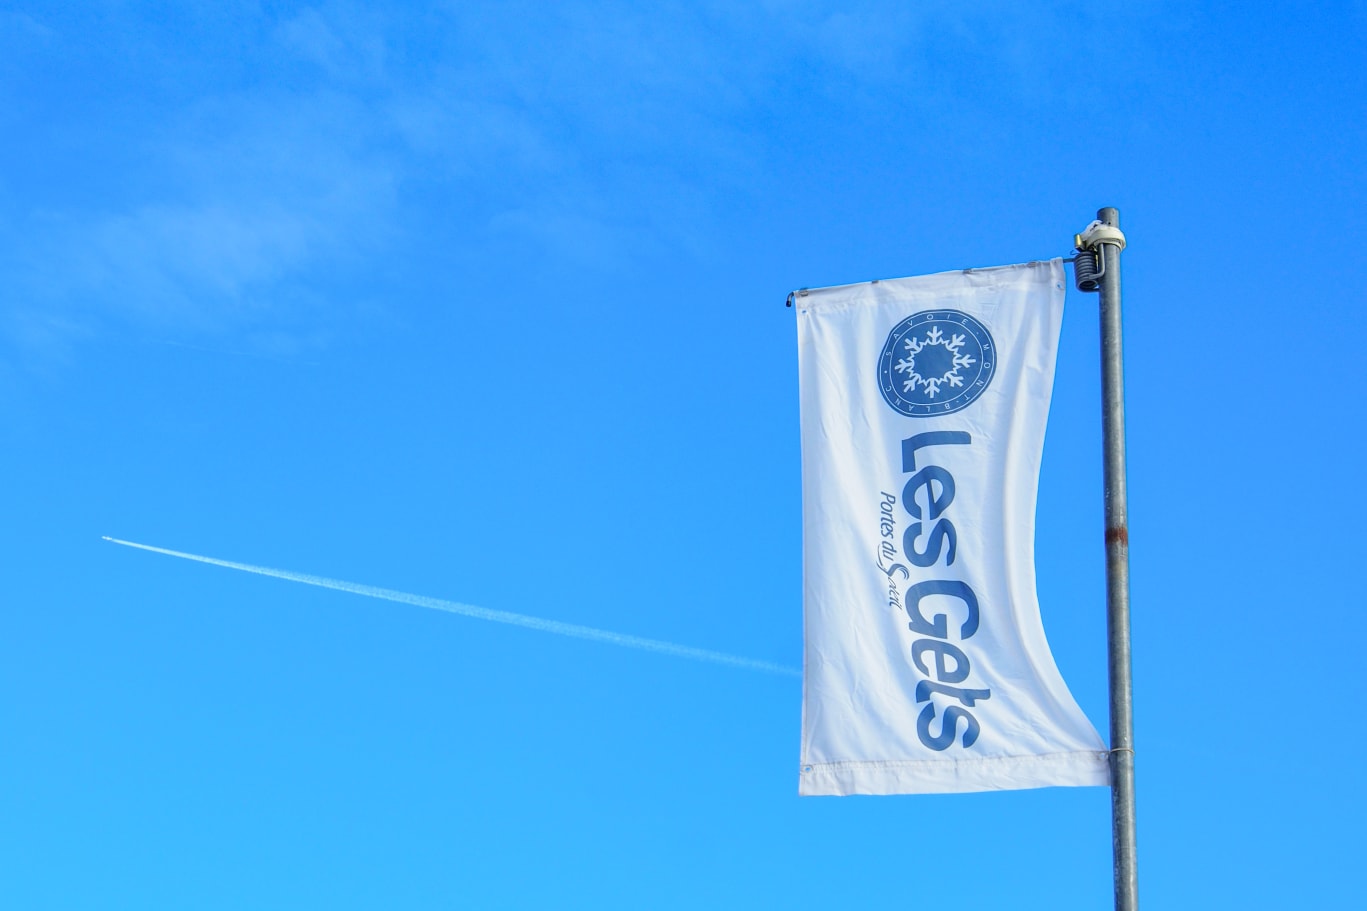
(1087, 768)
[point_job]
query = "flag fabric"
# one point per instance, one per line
(926, 669)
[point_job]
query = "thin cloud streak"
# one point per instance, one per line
(481, 613)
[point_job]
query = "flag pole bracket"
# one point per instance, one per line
(1089, 266)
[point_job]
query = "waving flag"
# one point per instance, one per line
(924, 402)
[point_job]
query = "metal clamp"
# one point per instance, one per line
(1089, 266)
(1099, 233)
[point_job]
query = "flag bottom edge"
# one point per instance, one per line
(1087, 768)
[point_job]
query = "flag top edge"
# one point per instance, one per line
(807, 297)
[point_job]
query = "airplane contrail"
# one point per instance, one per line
(481, 613)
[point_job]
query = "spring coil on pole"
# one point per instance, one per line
(1087, 271)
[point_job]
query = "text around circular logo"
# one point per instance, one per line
(936, 362)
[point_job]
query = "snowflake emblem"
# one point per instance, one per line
(935, 362)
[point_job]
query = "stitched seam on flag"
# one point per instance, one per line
(987, 274)
(966, 760)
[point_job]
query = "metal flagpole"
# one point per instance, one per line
(1097, 268)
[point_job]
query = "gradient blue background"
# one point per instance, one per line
(485, 302)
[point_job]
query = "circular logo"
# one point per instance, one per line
(935, 362)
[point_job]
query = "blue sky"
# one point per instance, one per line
(483, 302)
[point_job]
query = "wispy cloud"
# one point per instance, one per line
(253, 199)
(279, 149)
(215, 210)
(346, 40)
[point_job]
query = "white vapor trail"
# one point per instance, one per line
(481, 613)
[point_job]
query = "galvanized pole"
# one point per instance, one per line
(1117, 571)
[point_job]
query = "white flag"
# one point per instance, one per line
(926, 669)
